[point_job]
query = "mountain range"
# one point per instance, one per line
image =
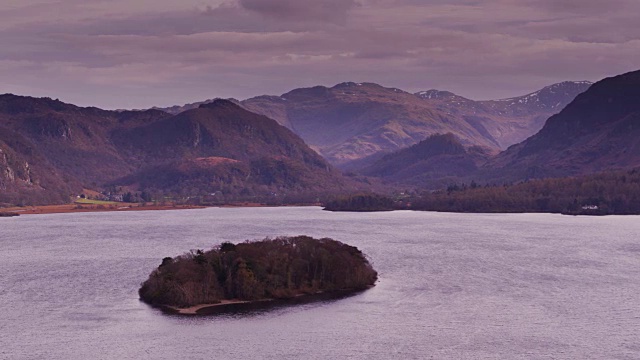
(598, 131)
(353, 124)
(230, 150)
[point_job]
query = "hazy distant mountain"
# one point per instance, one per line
(551, 98)
(50, 150)
(508, 121)
(352, 121)
(599, 130)
(177, 109)
(435, 162)
(352, 124)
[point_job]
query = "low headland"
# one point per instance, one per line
(284, 269)
(607, 193)
(361, 203)
(8, 214)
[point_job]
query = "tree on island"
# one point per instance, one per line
(269, 269)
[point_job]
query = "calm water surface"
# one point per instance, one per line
(452, 286)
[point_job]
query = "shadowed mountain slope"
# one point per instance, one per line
(50, 150)
(224, 145)
(599, 130)
(434, 162)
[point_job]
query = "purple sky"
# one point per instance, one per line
(140, 53)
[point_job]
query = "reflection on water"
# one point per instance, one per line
(453, 286)
(263, 307)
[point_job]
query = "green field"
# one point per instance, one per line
(96, 202)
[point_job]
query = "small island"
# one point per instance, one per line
(257, 271)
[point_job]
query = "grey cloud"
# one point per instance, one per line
(582, 7)
(333, 11)
(610, 30)
(165, 54)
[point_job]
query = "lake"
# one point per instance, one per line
(452, 286)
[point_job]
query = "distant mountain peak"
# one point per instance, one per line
(220, 103)
(597, 131)
(435, 94)
(364, 86)
(550, 99)
(564, 87)
(347, 84)
(432, 162)
(176, 109)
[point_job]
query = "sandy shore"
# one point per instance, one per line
(193, 310)
(76, 208)
(225, 305)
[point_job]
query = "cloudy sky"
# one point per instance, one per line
(140, 53)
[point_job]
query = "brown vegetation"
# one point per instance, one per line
(269, 269)
(50, 151)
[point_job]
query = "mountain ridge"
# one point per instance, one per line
(50, 150)
(599, 130)
(350, 123)
(434, 162)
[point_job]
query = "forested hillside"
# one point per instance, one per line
(600, 194)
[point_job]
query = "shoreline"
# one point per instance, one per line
(80, 208)
(194, 310)
(225, 306)
(83, 208)
(77, 208)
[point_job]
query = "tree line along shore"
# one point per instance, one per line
(608, 193)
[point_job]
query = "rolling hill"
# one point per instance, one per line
(434, 162)
(50, 150)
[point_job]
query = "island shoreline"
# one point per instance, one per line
(226, 306)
